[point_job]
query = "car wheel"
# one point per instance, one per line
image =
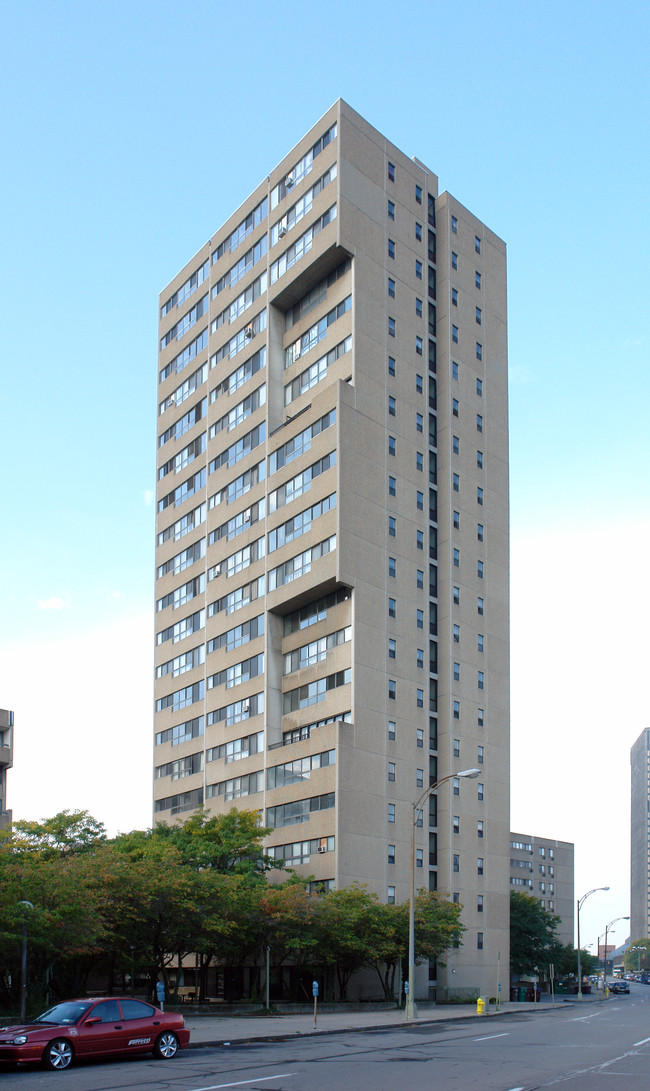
(58, 1054)
(166, 1046)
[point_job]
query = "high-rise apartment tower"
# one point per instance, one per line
(332, 531)
(640, 838)
(6, 761)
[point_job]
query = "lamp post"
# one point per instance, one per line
(607, 928)
(23, 963)
(638, 956)
(410, 1010)
(581, 901)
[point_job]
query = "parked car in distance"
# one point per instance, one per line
(107, 1026)
(619, 987)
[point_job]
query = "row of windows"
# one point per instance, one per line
(237, 599)
(314, 692)
(301, 483)
(315, 295)
(296, 212)
(295, 772)
(238, 450)
(231, 528)
(180, 328)
(299, 734)
(297, 446)
(186, 290)
(241, 304)
(183, 492)
(239, 635)
(290, 814)
(240, 375)
(182, 629)
(315, 651)
(183, 526)
(237, 787)
(314, 611)
(189, 695)
(184, 423)
(181, 767)
(242, 231)
(240, 559)
(302, 245)
(300, 524)
(183, 458)
(240, 340)
(187, 661)
(185, 390)
(237, 673)
(315, 334)
(240, 412)
(237, 749)
(300, 852)
(190, 352)
(302, 168)
(300, 565)
(190, 729)
(316, 372)
(241, 267)
(182, 594)
(183, 560)
(183, 801)
(240, 486)
(237, 711)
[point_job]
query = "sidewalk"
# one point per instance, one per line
(218, 1030)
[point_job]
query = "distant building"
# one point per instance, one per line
(640, 840)
(544, 868)
(6, 761)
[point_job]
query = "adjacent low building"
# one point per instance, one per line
(544, 868)
(6, 762)
(640, 838)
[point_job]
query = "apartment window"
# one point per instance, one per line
(419, 698)
(478, 316)
(392, 689)
(477, 244)
(479, 569)
(479, 350)
(419, 618)
(481, 680)
(391, 445)
(391, 248)
(456, 520)
(480, 792)
(477, 279)
(391, 210)
(418, 269)
(392, 608)
(457, 710)
(479, 495)
(481, 755)
(479, 605)
(455, 898)
(454, 260)
(391, 729)
(419, 539)
(391, 365)
(391, 172)
(418, 307)
(456, 823)
(419, 737)
(455, 478)
(456, 596)
(454, 334)
(480, 719)
(419, 778)
(454, 370)
(479, 532)
(419, 579)
(418, 231)
(419, 657)
(481, 642)
(418, 195)
(392, 524)
(391, 812)
(479, 422)
(391, 895)
(479, 828)
(391, 327)
(455, 444)
(479, 865)
(456, 786)
(479, 459)
(456, 672)
(419, 857)
(391, 287)
(392, 486)
(454, 406)
(479, 903)
(418, 345)
(392, 648)
(479, 939)
(419, 422)
(456, 634)
(391, 854)
(479, 387)
(419, 500)
(456, 862)
(419, 460)
(418, 384)
(454, 225)
(454, 297)
(391, 405)
(391, 770)
(456, 558)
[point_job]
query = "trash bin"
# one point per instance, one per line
(514, 993)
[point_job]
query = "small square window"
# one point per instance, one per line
(391, 287)
(418, 269)
(454, 260)
(418, 195)
(391, 248)
(391, 771)
(419, 422)
(419, 698)
(391, 172)
(419, 460)
(419, 501)
(392, 648)
(456, 596)
(479, 569)
(419, 539)
(391, 854)
(454, 334)
(456, 558)
(391, 812)
(418, 384)
(392, 608)
(391, 327)
(481, 680)
(392, 525)
(391, 210)
(477, 279)
(391, 365)
(456, 520)
(479, 387)
(478, 316)
(480, 719)
(479, 422)
(457, 710)
(419, 618)
(391, 445)
(479, 532)
(454, 370)
(392, 689)
(418, 345)
(418, 231)
(391, 405)
(418, 308)
(454, 406)
(391, 729)
(479, 350)
(477, 244)
(454, 297)
(456, 672)
(392, 567)
(479, 605)
(419, 579)
(455, 443)
(454, 225)
(480, 639)
(479, 865)
(479, 496)
(479, 459)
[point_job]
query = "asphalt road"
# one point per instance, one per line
(600, 1046)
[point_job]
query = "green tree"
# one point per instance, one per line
(639, 959)
(532, 934)
(65, 833)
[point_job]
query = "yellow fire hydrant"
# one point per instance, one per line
(480, 1006)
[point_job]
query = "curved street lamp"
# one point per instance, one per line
(580, 903)
(607, 928)
(23, 963)
(410, 1009)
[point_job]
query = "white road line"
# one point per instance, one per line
(240, 1083)
(642, 1042)
(488, 1036)
(515, 1089)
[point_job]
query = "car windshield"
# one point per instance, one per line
(67, 1013)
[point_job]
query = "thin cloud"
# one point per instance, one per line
(147, 497)
(53, 603)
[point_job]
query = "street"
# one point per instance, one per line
(597, 1045)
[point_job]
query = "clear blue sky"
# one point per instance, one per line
(129, 132)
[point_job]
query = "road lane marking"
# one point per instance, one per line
(240, 1083)
(515, 1089)
(642, 1042)
(488, 1036)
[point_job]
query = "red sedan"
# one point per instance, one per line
(94, 1028)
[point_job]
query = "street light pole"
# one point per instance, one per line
(580, 904)
(23, 963)
(410, 1009)
(607, 928)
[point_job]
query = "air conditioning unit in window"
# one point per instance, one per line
(282, 231)
(322, 848)
(245, 706)
(247, 515)
(289, 180)
(249, 332)
(218, 568)
(171, 400)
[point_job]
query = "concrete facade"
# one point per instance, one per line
(6, 762)
(332, 583)
(640, 838)
(544, 868)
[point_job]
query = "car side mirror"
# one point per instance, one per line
(91, 1020)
